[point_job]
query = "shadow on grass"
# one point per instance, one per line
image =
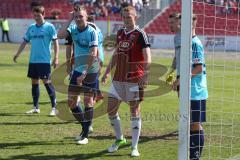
(103, 153)
(35, 123)
(30, 103)
(39, 156)
(143, 138)
(13, 65)
(40, 103)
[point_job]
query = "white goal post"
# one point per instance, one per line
(185, 81)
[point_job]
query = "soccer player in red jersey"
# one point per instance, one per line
(131, 59)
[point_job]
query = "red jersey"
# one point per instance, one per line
(130, 59)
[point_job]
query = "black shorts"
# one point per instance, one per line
(198, 111)
(39, 70)
(89, 83)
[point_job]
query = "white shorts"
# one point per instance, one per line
(126, 91)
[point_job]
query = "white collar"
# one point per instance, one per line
(136, 27)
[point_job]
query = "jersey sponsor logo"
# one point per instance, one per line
(82, 43)
(125, 45)
(37, 36)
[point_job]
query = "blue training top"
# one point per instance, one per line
(84, 40)
(40, 38)
(199, 89)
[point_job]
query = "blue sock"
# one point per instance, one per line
(78, 114)
(51, 92)
(35, 94)
(88, 115)
(97, 90)
(196, 144)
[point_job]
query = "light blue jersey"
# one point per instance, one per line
(40, 38)
(199, 82)
(100, 42)
(84, 40)
(100, 45)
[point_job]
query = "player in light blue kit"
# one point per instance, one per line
(98, 96)
(199, 92)
(86, 68)
(40, 34)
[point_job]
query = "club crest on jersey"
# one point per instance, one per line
(196, 60)
(125, 45)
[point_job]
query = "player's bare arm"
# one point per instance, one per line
(69, 53)
(56, 53)
(197, 69)
(147, 60)
(20, 49)
(110, 65)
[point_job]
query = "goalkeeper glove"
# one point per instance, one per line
(170, 77)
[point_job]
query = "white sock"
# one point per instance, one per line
(116, 124)
(136, 124)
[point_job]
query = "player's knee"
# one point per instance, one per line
(45, 81)
(112, 111)
(88, 100)
(71, 103)
(135, 112)
(196, 126)
(35, 81)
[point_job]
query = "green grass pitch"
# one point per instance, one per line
(40, 137)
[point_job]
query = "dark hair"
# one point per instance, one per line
(39, 9)
(194, 17)
(175, 15)
(35, 4)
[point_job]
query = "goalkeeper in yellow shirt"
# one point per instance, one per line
(174, 21)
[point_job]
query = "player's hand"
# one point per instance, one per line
(170, 77)
(15, 58)
(143, 82)
(176, 84)
(55, 62)
(104, 79)
(80, 79)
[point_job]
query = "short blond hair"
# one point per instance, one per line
(129, 9)
(78, 8)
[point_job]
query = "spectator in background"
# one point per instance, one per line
(73, 1)
(146, 3)
(229, 7)
(100, 9)
(55, 14)
(5, 29)
(210, 1)
(115, 8)
(109, 5)
(138, 4)
(219, 2)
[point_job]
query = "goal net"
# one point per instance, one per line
(218, 28)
